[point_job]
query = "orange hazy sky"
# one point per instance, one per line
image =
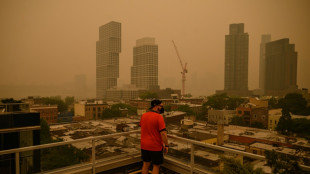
(49, 42)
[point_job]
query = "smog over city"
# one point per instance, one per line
(45, 45)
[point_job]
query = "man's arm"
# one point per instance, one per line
(164, 137)
(165, 140)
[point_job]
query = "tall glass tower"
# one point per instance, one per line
(108, 48)
(236, 58)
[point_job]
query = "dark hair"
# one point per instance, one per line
(155, 103)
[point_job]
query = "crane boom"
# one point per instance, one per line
(176, 50)
(184, 69)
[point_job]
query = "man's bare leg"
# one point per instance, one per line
(155, 169)
(145, 167)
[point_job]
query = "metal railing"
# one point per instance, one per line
(192, 144)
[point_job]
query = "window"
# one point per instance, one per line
(94, 109)
(239, 112)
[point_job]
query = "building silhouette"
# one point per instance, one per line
(265, 39)
(144, 72)
(281, 68)
(236, 61)
(107, 58)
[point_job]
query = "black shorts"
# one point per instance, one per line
(156, 157)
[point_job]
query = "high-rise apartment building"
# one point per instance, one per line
(236, 58)
(144, 72)
(107, 57)
(281, 68)
(265, 39)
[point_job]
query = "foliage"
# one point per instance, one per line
(185, 108)
(294, 102)
(148, 95)
(284, 125)
(202, 116)
(60, 156)
(217, 101)
(56, 100)
(110, 113)
(283, 163)
(69, 100)
(233, 166)
(237, 120)
(222, 101)
(131, 110)
(45, 136)
(300, 126)
(273, 103)
(10, 100)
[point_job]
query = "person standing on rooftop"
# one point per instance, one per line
(154, 141)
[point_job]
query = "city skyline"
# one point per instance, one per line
(51, 48)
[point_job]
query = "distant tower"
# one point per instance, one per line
(281, 68)
(107, 57)
(236, 58)
(265, 39)
(144, 72)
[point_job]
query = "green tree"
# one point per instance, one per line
(233, 166)
(273, 103)
(69, 100)
(110, 113)
(10, 100)
(60, 156)
(237, 120)
(218, 101)
(148, 95)
(284, 125)
(185, 108)
(234, 102)
(222, 101)
(301, 127)
(56, 100)
(283, 163)
(45, 136)
(203, 114)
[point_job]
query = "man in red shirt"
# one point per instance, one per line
(154, 139)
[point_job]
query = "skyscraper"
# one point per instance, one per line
(281, 68)
(107, 57)
(265, 39)
(236, 59)
(144, 72)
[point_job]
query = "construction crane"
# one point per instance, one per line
(184, 70)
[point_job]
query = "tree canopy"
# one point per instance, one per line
(283, 163)
(148, 95)
(233, 166)
(222, 101)
(60, 156)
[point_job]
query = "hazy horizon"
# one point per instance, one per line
(44, 44)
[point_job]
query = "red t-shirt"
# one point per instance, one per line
(152, 124)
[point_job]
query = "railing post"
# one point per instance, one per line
(192, 158)
(17, 163)
(93, 156)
